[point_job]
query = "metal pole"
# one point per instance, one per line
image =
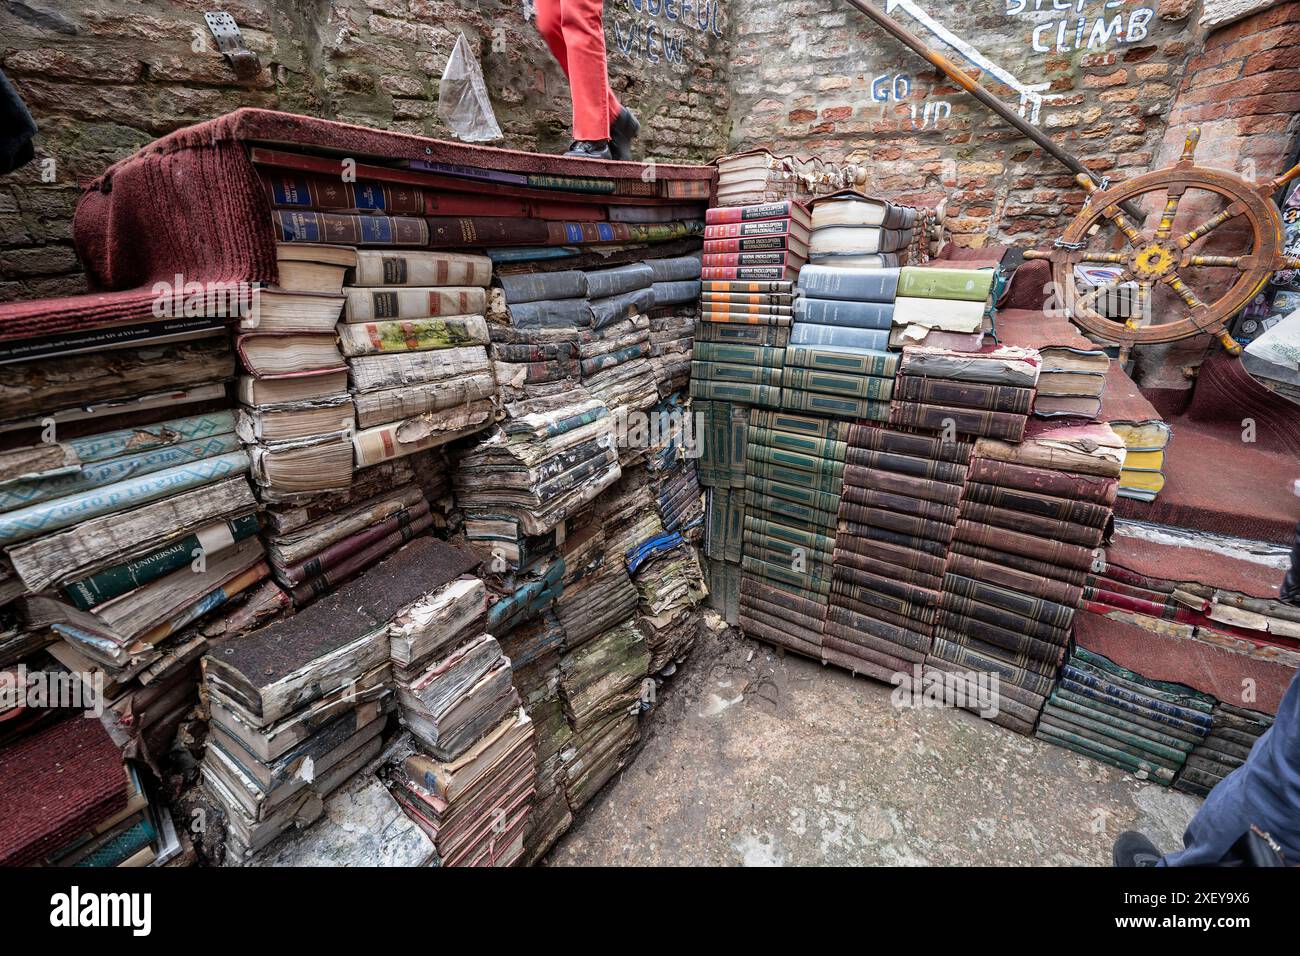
(968, 83)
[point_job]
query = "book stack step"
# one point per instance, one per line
(969, 394)
(850, 230)
(601, 683)
(794, 477)
(312, 690)
(415, 335)
(316, 545)
(296, 416)
(1233, 732)
(614, 355)
(763, 242)
(1074, 371)
(896, 523)
(673, 320)
(1105, 712)
(129, 524)
(535, 650)
(948, 302)
(1031, 521)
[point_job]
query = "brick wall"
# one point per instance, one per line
(817, 77)
(104, 78)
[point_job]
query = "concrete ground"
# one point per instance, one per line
(755, 758)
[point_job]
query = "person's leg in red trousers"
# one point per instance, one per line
(574, 30)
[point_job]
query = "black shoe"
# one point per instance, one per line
(1133, 849)
(589, 149)
(622, 131)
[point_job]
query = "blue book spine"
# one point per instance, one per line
(809, 333)
(858, 315)
(859, 285)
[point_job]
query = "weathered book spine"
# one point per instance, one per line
(788, 605)
(1053, 732)
(901, 501)
(772, 257)
(782, 510)
(1044, 481)
(889, 607)
(817, 498)
(735, 287)
(888, 519)
(552, 314)
(397, 439)
(972, 285)
(840, 406)
(748, 273)
(781, 633)
(739, 354)
(871, 387)
(1084, 513)
(372, 338)
(1049, 552)
(1106, 722)
(758, 375)
(1139, 696)
(799, 536)
(210, 540)
(800, 424)
(543, 286)
(845, 361)
(45, 517)
(1109, 739)
(776, 605)
(373, 305)
(999, 575)
(713, 317)
(938, 391)
(1096, 698)
(808, 585)
(772, 336)
(967, 657)
(735, 230)
(1001, 628)
(547, 352)
(872, 563)
(332, 577)
(390, 370)
(845, 621)
(906, 464)
(964, 420)
(902, 484)
(593, 365)
(736, 307)
(796, 559)
(411, 268)
(1066, 531)
(735, 392)
(968, 367)
(836, 336)
(893, 553)
(859, 315)
(336, 553)
(859, 285)
(915, 596)
(1028, 565)
(349, 230)
(759, 211)
(851, 531)
(789, 466)
(772, 438)
(880, 438)
(389, 405)
(292, 190)
(764, 545)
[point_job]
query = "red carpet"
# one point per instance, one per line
(56, 784)
(1179, 564)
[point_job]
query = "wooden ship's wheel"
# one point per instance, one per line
(1165, 272)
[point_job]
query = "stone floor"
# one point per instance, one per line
(761, 759)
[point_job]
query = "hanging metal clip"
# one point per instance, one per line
(231, 44)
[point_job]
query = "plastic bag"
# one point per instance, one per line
(463, 102)
(1280, 344)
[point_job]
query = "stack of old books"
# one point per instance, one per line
(1073, 373)
(415, 338)
(601, 683)
(853, 231)
(795, 472)
(536, 321)
(614, 353)
(299, 706)
(540, 466)
(941, 302)
(844, 308)
(896, 523)
(1233, 732)
(534, 651)
(597, 590)
(127, 520)
(988, 393)
(673, 319)
(297, 417)
(1146, 436)
(1032, 517)
(837, 363)
(757, 176)
(673, 466)
(317, 544)
(1121, 718)
(476, 807)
